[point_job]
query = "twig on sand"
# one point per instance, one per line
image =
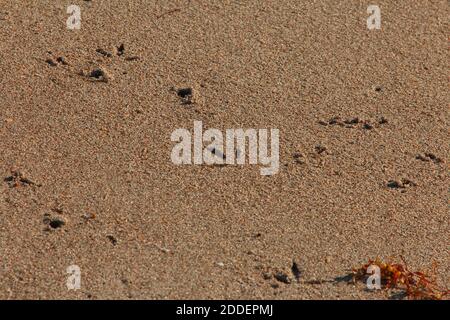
(168, 12)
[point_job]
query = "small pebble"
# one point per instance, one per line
(100, 74)
(120, 50)
(132, 58)
(51, 62)
(378, 88)
(104, 53)
(62, 60)
(282, 277)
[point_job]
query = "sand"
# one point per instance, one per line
(85, 126)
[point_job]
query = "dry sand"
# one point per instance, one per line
(95, 153)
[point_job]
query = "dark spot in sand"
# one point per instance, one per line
(184, 92)
(378, 88)
(382, 120)
(186, 95)
(352, 121)
(367, 126)
(422, 158)
(429, 157)
(112, 239)
(401, 184)
(17, 179)
(296, 271)
(320, 149)
(282, 277)
(407, 182)
(100, 75)
(394, 184)
(104, 53)
(121, 49)
(57, 210)
(62, 60)
(296, 155)
(334, 120)
(97, 73)
(132, 58)
(54, 223)
(51, 62)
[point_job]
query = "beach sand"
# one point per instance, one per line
(86, 154)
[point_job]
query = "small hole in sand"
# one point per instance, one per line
(50, 62)
(112, 239)
(56, 223)
(121, 49)
(97, 73)
(184, 92)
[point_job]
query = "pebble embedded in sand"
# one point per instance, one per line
(298, 157)
(53, 223)
(112, 239)
(187, 95)
(104, 52)
(296, 271)
(352, 121)
(382, 120)
(320, 148)
(378, 88)
(428, 157)
(62, 60)
(184, 92)
(132, 58)
(50, 62)
(282, 277)
(393, 184)
(333, 120)
(18, 178)
(56, 223)
(100, 74)
(267, 276)
(121, 49)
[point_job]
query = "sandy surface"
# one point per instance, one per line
(96, 154)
